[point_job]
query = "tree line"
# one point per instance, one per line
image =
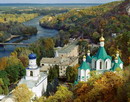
(11, 24)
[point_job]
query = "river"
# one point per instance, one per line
(42, 32)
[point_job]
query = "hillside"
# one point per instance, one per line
(78, 21)
(111, 17)
(75, 16)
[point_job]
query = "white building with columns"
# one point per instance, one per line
(100, 62)
(34, 79)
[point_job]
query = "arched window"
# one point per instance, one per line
(31, 73)
(106, 65)
(100, 65)
(95, 64)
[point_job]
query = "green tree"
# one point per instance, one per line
(53, 73)
(71, 73)
(62, 94)
(4, 81)
(14, 69)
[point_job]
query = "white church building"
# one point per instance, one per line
(34, 79)
(100, 62)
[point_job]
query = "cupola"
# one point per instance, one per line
(32, 56)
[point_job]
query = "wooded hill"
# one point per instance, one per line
(111, 17)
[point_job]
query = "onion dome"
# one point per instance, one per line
(102, 39)
(32, 56)
(117, 52)
(84, 56)
(84, 64)
(88, 51)
(116, 58)
(88, 58)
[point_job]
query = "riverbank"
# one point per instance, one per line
(11, 37)
(41, 32)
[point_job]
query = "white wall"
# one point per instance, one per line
(32, 63)
(108, 62)
(40, 88)
(121, 65)
(87, 75)
(93, 64)
(98, 64)
(83, 73)
(79, 74)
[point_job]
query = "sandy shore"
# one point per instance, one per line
(12, 36)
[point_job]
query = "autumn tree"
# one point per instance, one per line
(22, 93)
(103, 89)
(3, 63)
(44, 47)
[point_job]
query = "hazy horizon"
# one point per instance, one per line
(54, 1)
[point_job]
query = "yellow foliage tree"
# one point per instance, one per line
(3, 63)
(22, 93)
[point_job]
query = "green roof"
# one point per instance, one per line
(88, 59)
(75, 82)
(116, 65)
(84, 66)
(119, 60)
(102, 54)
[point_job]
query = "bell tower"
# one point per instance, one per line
(32, 72)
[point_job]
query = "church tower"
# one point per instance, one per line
(84, 71)
(32, 72)
(35, 80)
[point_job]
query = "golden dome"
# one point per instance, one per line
(117, 52)
(116, 58)
(84, 56)
(88, 51)
(101, 39)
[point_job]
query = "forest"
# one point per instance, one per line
(111, 17)
(11, 24)
(39, 10)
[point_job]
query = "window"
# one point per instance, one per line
(42, 64)
(31, 73)
(100, 65)
(83, 77)
(95, 64)
(106, 65)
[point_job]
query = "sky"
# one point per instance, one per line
(56, 1)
